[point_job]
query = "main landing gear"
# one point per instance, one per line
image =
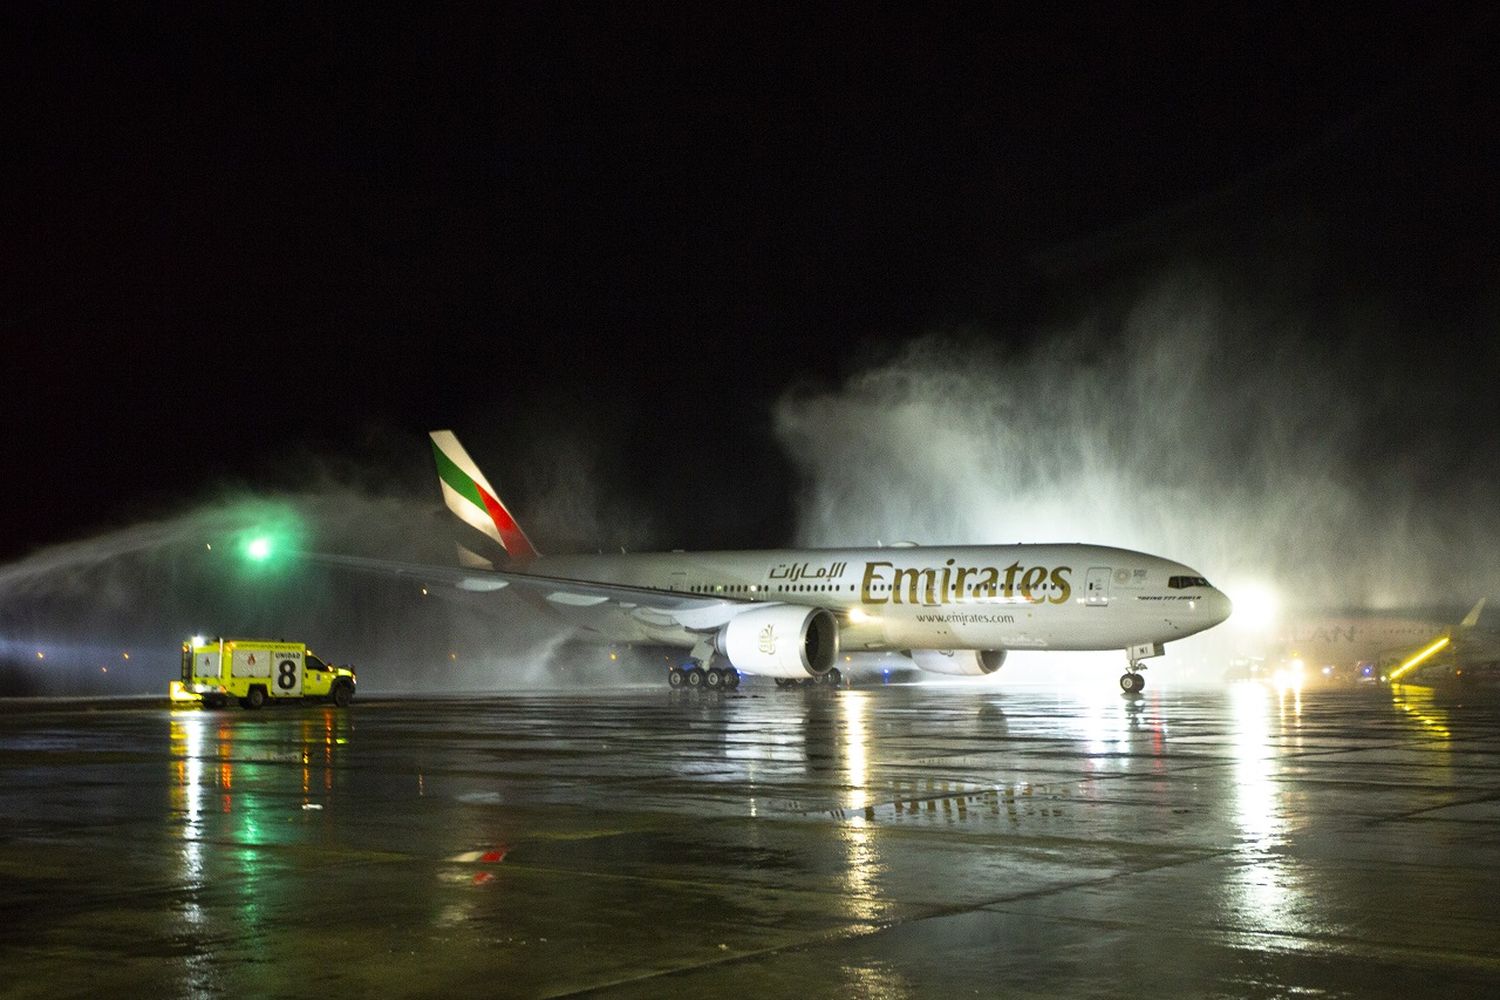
(1132, 682)
(704, 668)
(690, 675)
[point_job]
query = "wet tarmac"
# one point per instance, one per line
(886, 842)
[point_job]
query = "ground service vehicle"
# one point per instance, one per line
(256, 670)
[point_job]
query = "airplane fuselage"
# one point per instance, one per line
(789, 613)
(1381, 640)
(983, 597)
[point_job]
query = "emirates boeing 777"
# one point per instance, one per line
(790, 613)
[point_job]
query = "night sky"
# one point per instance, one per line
(242, 243)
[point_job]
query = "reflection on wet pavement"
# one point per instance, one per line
(868, 843)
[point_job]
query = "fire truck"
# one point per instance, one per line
(254, 671)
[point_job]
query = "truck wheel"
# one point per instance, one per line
(342, 695)
(255, 697)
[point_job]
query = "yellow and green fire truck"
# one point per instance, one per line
(255, 671)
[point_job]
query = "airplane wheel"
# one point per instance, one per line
(1127, 683)
(782, 682)
(732, 679)
(1140, 684)
(833, 678)
(694, 677)
(713, 677)
(676, 678)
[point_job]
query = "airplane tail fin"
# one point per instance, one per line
(473, 501)
(1472, 618)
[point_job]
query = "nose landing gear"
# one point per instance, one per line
(1131, 681)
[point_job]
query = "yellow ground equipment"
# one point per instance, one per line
(254, 671)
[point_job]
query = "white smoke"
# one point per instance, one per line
(71, 613)
(1196, 428)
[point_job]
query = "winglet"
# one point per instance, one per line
(473, 500)
(1472, 618)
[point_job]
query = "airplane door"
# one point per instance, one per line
(1096, 586)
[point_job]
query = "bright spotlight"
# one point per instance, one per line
(259, 549)
(1255, 607)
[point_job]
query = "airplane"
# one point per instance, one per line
(789, 613)
(1382, 646)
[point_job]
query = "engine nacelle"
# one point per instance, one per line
(959, 662)
(782, 641)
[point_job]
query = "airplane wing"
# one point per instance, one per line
(657, 607)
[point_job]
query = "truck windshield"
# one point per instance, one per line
(313, 663)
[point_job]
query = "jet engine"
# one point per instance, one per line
(959, 662)
(781, 641)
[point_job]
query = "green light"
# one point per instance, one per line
(268, 539)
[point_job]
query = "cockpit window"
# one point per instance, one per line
(1181, 582)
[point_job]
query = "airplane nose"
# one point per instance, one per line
(1220, 607)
